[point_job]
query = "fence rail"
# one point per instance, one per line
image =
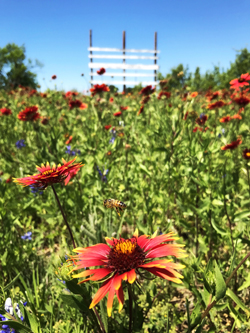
(123, 66)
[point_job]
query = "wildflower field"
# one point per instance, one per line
(169, 253)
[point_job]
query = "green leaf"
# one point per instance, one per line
(219, 283)
(17, 326)
(233, 260)
(245, 284)
(232, 295)
(11, 283)
(218, 229)
(196, 315)
(76, 302)
(242, 215)
(33, 322)
(217, 202)
(143, 168)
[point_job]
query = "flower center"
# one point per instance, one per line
(47, 172)
(241, 80)
(125, 255)
(248, 154)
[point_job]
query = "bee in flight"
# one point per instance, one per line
(112, 203)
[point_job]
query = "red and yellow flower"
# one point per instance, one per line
(29, 114)
(97, 89)
(232, 145)
(122, 259)
(5, 111)
(241, 82)
(49, 175)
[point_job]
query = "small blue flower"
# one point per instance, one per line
(103, 174)
(72, 152)
(20, 144)
(113, 133)
(27, 236)
(35, 190)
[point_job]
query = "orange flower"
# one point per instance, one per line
(83, 106)
(164, 93)
(121, 259)
(194, 94)
(141, 110)
(225, 119)
(246, 154)
(69, 140)
(232, 145)
(111, 99)
(49, 175)
(236, 116)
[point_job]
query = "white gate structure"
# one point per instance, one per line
(124, 66)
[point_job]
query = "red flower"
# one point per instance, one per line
(49, 175)
(28, 114)
(246, 154)
(216, 105)
(145, 99)
(123, 108)
(117, 114)
(107, 127)
(147, 90)
(101, 71)
(9, 180)
(45, 120)
(213, 95)
(75, 104)
(242, 81)
(43, 95)
(69, 140)
(111, 99)
(225, 119)
(201, 120)
(242, 100)
(109, 153)
(69, 94)
(186, 115)
(5, 111)
(164, 93)
(122, 258)
(53, 77)
(232, 145)
(141, 110)
(197, 129)
(99, 89)
(71, 175)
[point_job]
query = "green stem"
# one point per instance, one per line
(205, 313)
(248, 178)
(64, 216)
(130, 307)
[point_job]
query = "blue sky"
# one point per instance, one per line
(195, 33)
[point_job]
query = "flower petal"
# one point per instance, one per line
(120, 296)
(164, 250)
(131, 276)
(165, 274)
(101, 293)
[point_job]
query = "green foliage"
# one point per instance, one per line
(171, 179)
(216, 79)
(13, 71)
